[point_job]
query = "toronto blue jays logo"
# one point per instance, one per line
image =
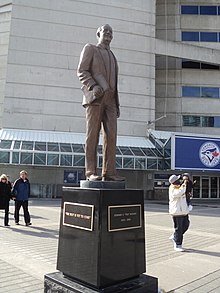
(209, 154)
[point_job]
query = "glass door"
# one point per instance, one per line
(205, 187)
(214, 187)
(196, 188)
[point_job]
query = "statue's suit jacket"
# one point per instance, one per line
(92, 71)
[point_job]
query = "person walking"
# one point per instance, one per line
(21, 192)
(179, 210)
(98, 73)
(5, 196)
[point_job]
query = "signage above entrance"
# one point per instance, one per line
(196, 153)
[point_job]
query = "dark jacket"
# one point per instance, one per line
(5, 194)
(21, 189)
(189, 187)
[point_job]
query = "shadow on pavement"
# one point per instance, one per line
(32, 216)
(40, 232)
(203, 252)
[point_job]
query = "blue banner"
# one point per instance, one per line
(197, 153)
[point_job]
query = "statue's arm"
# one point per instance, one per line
(84, 67)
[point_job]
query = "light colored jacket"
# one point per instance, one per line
(177, 200)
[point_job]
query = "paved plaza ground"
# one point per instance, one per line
(28, 253)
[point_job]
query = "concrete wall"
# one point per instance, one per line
(168, 93)
(5, 19)
(167, 20)
(170, 77)
(46, 38)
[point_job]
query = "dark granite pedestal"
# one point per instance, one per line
(101, 242)
(57, 283)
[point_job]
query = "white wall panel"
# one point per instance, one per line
(46, 39)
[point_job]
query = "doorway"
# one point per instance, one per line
(206, 187)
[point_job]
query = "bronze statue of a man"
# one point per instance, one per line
(98, 73)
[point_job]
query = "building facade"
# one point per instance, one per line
(168, 55)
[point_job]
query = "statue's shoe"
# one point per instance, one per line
(94, 177)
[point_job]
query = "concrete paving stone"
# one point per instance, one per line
(32, 251)
(215, 290)
(13, 291)
(35, 287)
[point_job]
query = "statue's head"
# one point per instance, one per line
(104, 34)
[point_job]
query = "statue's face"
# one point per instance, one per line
(105, 35)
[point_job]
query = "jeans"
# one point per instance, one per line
(181, 225)
(6, 214)
(24, 204)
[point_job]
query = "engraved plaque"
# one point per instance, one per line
(124, 217)
(78, 216)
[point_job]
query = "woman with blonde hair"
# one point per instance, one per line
(5, 196)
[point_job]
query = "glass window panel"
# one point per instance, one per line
(163, 140)
(152, 164)
(137, 151)
(119, 162)
(148, 152)
(205, 187)
(140, 163)
(128, 163)
(216, 121)
(208, 37)
(66, 160)
(189, 9)
(99, 149)
(190, 36)
(15, 158)
(65, 147)
(196, 188)
(78, 148)
(210, 92)
(167, 164)
(190, 91)
(100, 160)
(40, 146)
(53, 159)
(40, 159)
(4, 157)
(208, 10)
(207, 121)
(118, 152)
(26, 158)
(53, 147)
(191, 121)
(218, 10)
(209, 66)
(167, 153)
(27, 145)
(160, 164)
(5, 144)
(79, 161)
(214, 187)
(190, 64)
(126, 151)
(17, 145)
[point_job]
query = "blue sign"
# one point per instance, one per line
(197, 153)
